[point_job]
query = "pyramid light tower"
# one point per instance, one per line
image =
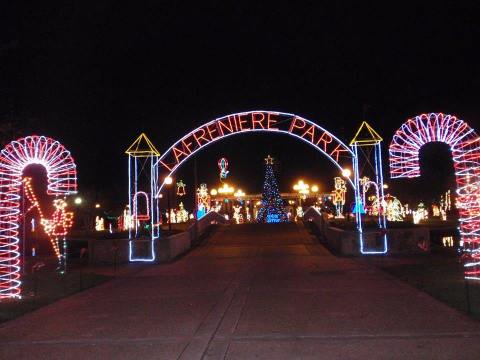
(366, 146)
(142, 202)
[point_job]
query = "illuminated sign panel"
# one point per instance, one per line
(255, 121)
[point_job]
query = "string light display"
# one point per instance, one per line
(272, 204)
(57, 227)
(62, 180)
(339, 196)
(223, 166)
(181, 188)
(367, 144)
(464, 145)
(137, 214)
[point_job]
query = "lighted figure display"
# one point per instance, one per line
(182, 214)
(366, 184)
(339, 196)
(299, 213)
(393, 208)
(203, 199)
(420, 214)
(181, 188)
(464, 145)
(223, 166)
(272, 204)
(62, 181)
(436, 210)
(99, 223)
(201, 211)
(366, 146)
(237, 215)
(57, 227)
(173, 216)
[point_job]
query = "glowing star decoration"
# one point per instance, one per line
(62, 181)
(223, 166)
(339, 196)
(181, 188)
(464, 145)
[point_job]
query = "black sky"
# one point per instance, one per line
(96, 74)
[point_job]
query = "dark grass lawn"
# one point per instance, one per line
(438, 274)
(48, 285)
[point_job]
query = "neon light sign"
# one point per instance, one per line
(254, 121)
(465, 147)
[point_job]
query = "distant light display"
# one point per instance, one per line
(464, 145)
(223, 166)
(62, 180)
(272, 203)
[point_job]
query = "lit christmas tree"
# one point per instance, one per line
(272, 204)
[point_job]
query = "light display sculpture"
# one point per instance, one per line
(272, 204)
(339, 196)
(223, 166)
(464, 145)
(203, 200)
(142, 184)
(366, 145)
(181, 188)
(62, 181)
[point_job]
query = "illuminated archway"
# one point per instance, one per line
(62, 180)
(464, 145)
(254, 121)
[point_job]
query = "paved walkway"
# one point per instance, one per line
(253, 291)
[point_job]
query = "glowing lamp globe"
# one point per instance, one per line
(346, 173)
(168, 180)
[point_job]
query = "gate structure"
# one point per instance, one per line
(62, 181)
(260, 121)
(464, 145)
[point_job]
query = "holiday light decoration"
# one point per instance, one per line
(57, 227)
(223, 166)
(181, 188)
(339, 196)
(420, 214)
(182, 214)
(62, 180)
(137, 214)
(254, 121)
(367, 143)
(203, 200)
(394, 210)
(99, 223)
(464, 145)
(272, 205)
(142, 184)
(237, 215)
(65, 220)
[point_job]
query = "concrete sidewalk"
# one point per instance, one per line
(252, 291)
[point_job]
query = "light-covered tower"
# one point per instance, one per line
(366, 146)
(142, 202)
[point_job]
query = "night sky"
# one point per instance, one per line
(96, 74)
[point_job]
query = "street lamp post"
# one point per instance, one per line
(168, 182)
(303, 189)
